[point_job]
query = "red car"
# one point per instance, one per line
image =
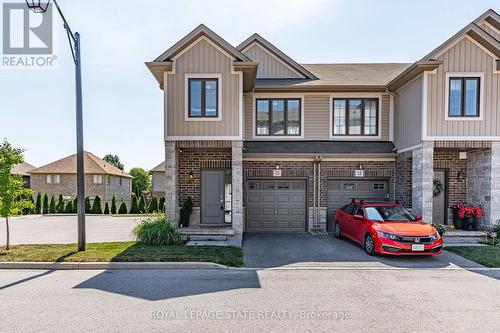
(386, 229)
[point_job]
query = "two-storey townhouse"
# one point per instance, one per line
(264, 144)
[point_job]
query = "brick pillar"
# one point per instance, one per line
(171, 181)
(237, 188)
(422, 175)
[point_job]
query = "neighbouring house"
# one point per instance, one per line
(158, 180)
(265, 144)
(101, 179)
(23, 169)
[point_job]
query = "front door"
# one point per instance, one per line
(439, 202)
(212, 197)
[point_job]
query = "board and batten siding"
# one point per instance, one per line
(202, 58)
(269, 66)
(316, 117)
(464, 56)
(408, 115)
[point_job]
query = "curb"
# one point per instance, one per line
(110, 265)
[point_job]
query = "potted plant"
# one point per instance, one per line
(457, 220)
(185, 213)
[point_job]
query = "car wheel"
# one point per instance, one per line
(336, 230)
(369, 245)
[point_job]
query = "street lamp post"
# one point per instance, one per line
(39, 6)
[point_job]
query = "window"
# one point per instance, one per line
(355, 116)
(203, 98)
(463, 98)
(278, 117)
(97, 179)
(53, 179)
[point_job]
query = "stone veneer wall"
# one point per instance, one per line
(403, 179)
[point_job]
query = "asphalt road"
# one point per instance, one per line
(37, 229)
(247, 300)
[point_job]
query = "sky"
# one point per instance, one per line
(122, 102)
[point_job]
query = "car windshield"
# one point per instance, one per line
(388, 214)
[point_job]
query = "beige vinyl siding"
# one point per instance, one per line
(316, 117)
(490, 30)
(203, 58)
(408, 115)
(464, 56)
(269, 66)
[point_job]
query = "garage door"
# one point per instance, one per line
(276, 205)
(341, 192)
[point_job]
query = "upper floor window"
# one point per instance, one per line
(280, 116)
(97, 179)
(53, 179)
(203, 97)
(463, 97)
(355, 116)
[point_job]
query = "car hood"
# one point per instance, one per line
(416, 228)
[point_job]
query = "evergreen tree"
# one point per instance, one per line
(106, 209)
(60, 204)
(52, 205)
(134, 209)
(38, 204)
(45, 204)
(96, 206)
(113, 205)
(161, 205)
(75, 205)
(88, 207)
(142, 205)
(69, 207)
(123, 208)
(153, 205)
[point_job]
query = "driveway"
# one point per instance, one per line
(306, 250)
(37, 229)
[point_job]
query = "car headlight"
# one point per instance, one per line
(388, 235)
(435, 236)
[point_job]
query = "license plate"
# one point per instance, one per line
(417, 247)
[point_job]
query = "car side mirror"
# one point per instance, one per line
(418, 217)
(358, 217)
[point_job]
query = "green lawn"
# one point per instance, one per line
(488, 256)
(123, 251)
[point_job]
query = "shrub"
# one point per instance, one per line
(122, 209)
(60, 204)
(161, 205)
(52, 206)
(134, 209)
(157, 230)
(113, 205)
(106, 209)
(69, 207)
(142, 205)
(75, 205)
(38, 204)
(45, 204)
(96, 206)
(88, 207)
(153, 205)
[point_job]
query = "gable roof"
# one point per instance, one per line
(92, 165)
(22, 169)
(256, 38)
(201, 30)
(159, 168)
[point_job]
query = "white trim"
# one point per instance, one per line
(409, 148)
(217, 76)
(278, 137)
(355, 137)
(203, 38)
(449, 75)
(274, 56)
(461, 138)
(201, 138)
